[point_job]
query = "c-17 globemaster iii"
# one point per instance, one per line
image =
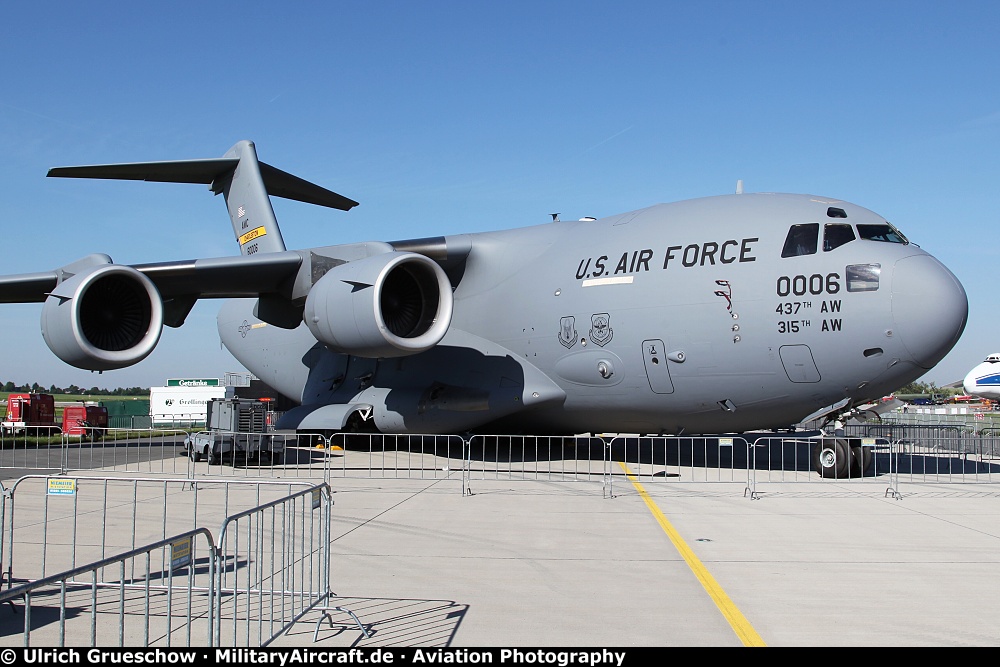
(722, 314)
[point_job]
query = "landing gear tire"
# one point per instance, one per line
(832, 459)
(861, 460)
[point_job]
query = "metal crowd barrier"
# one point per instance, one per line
(125, 450)
(269, 567)
(274, 566)
(922, 450)
(299, 455)
(4, 501)
(141, 602)
(44, 516)
(33, 448)
(384, 456)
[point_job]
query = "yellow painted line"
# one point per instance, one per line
(737, 621)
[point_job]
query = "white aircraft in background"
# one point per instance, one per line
(984, 379)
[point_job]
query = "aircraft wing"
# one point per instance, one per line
(218, 277)
(371, 298)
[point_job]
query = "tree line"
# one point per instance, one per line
(35, 388)
(927, 388)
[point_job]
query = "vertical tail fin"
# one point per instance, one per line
(245, 183)
(250, 211)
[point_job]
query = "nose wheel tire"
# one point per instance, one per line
(861, 460)
(832, 458)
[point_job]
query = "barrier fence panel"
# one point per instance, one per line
(155, 595)
(962, 459)
(680, 458)
(274, 566)
(269, 566)
(167, 451)
(150, 451)
(47, 514)
(941, 416)
(550, 458)
(32, 448)
(4, 502)
(242, 454)
(384, 456)
(786, 458)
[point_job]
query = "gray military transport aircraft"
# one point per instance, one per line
(723, 314)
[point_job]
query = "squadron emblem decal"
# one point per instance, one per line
(600, 328)
(567, 331)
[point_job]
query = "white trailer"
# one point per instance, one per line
(182, 405)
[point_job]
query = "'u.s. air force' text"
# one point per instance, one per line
(709, 253)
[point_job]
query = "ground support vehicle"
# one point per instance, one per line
(88, 421)
(33, 412)
(237, 431)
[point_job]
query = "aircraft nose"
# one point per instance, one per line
(929, 308)
(969, 383)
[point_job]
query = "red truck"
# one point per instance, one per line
(34, 412)
(84, 420)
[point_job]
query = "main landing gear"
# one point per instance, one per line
(841, 458)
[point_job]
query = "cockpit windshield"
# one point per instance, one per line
(836, 235)
(883, 232)
(801, 240)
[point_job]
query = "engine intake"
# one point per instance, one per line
(103, 319)
(389, 305)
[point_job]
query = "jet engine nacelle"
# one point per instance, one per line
(104, 318)
(389, 305)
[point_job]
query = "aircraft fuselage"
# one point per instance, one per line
(682, 317)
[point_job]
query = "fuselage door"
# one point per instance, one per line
(654, 355)
(799, 364)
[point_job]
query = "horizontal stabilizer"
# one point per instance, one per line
(245, 182)
(277, 182)
(177, 171)
(282, 184)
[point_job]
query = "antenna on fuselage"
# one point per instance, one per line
(739, 186)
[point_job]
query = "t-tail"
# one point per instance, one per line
(244, 182)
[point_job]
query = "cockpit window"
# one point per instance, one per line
(836, 235)
(801, 240)
(886, 233)
(863, 277)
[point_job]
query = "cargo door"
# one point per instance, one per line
(657, 372)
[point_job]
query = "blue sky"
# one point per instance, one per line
(448, 117)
